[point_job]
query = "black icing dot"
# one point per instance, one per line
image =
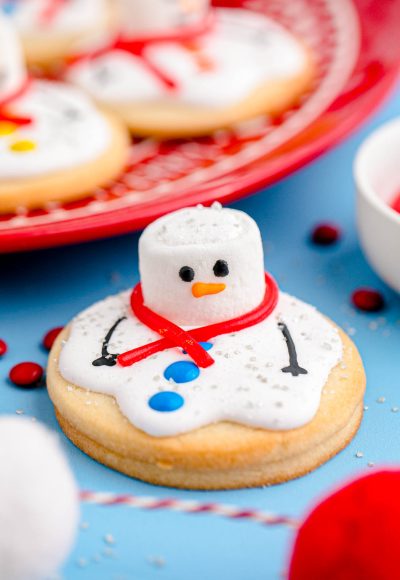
(221, 268)
(186, 273)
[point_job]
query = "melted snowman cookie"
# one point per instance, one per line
(241, 65)
(206, 354)
(55, 145)
(256, 379)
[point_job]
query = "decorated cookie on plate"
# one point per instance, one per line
(181, 68)
(51, 29)
(55, 145)
(206, 375)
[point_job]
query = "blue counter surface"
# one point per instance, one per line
(45, 289)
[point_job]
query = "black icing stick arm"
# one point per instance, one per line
(108, 359)
(294, 368)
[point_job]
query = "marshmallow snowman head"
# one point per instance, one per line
(12, 65)
(202, 265)
(155, 16)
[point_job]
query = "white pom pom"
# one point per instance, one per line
(39, 507)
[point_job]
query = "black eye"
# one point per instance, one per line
(221, 268)
(186, 273)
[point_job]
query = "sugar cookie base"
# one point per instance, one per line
(169, 120)
(46, 50)
(219, 456)
(69, 184)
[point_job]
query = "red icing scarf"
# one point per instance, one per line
(5, 115)
(174, 336)
(137, 46)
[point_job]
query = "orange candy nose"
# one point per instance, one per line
(200, 289)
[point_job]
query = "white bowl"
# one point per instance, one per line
(377, 176)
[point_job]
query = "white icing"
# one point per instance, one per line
(151, 16)
(198, 238)
(67, 131)
(245, 385)
(241, 40)
(73, 16)
(12, 66)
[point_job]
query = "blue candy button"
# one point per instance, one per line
(205, 345)
(182, 371)
(166, 402)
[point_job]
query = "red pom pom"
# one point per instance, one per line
(26, 374)
(353, 534)
(49, 337)
(3, 347)
(325, 234)
(368, 300)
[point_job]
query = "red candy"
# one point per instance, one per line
(3, 347)
(325, 234)
(353, 534)
(49, 337)
(368, 300)
(26, 374)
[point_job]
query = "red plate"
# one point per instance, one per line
(355, 43)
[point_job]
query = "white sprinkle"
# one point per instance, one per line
(371, 464)
(381, 400)
(157, 561)
(82, 562)
(109, 539)
(84, 525)
(366, 407)
(359, 454)
(395, 409)
(20, 411)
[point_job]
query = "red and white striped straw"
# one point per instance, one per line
(187, 506)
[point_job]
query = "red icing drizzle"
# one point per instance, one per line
(137, 47)
(50, 11)
(395, 204)
(5, 115)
